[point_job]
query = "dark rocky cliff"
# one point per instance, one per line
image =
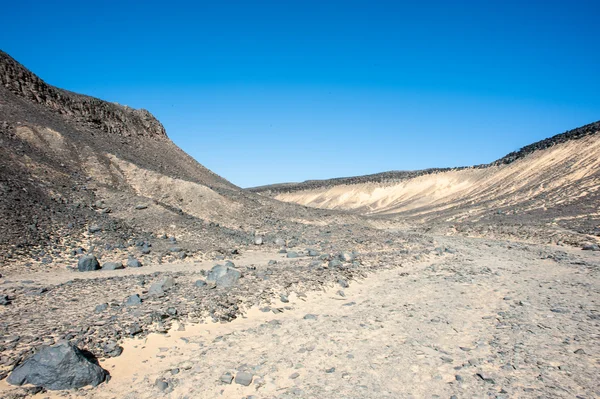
(109, 117)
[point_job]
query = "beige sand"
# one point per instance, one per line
(563, 173)
(433, 328)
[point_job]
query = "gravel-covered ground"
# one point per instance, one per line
(46, 306)
(457, 316)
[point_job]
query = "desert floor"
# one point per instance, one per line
(485, 319)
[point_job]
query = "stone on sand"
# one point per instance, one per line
(224, 276)
(62, 366)
(88, 263)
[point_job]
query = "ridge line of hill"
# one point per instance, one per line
(398, 175)
(86, 110)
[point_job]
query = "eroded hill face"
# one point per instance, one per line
(79, 171)
(63, 155)
(109, 117)
(554, 181)
(546, 178)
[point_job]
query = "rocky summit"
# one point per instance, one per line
(120, 253)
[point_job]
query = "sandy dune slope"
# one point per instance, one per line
(555, 176)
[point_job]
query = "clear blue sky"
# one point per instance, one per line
(266, 92)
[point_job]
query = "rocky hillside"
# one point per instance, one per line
(400, 175)
(109, 117)
(76, 171)
(552, 182)
(575, 134)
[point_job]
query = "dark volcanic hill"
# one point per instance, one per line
(79, 171)
(60, 150)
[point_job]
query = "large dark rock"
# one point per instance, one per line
(244, 378)
(312, 252)
(88, 263)
(101, 308)
(133, 300)
(94, 229)
(224, 276)
(112, 266)
(112, 349)
(62, 366)
(133, 262)
(159, 287)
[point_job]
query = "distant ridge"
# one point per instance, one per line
(396, 175)
(574, 134)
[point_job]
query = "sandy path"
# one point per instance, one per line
(63, 275)
(489, 320)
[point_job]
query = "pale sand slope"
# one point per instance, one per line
(110, 171)
(497, 311)
(553, 176)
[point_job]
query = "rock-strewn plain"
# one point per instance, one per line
(467, 282)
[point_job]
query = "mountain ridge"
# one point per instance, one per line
(550, 184)
(87, 110)
(400, 175)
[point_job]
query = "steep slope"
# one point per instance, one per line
(79, 171)
(554, 180)
(63, 152)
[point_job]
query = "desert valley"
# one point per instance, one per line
(129, 270)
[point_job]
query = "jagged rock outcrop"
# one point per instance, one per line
(110, 117)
